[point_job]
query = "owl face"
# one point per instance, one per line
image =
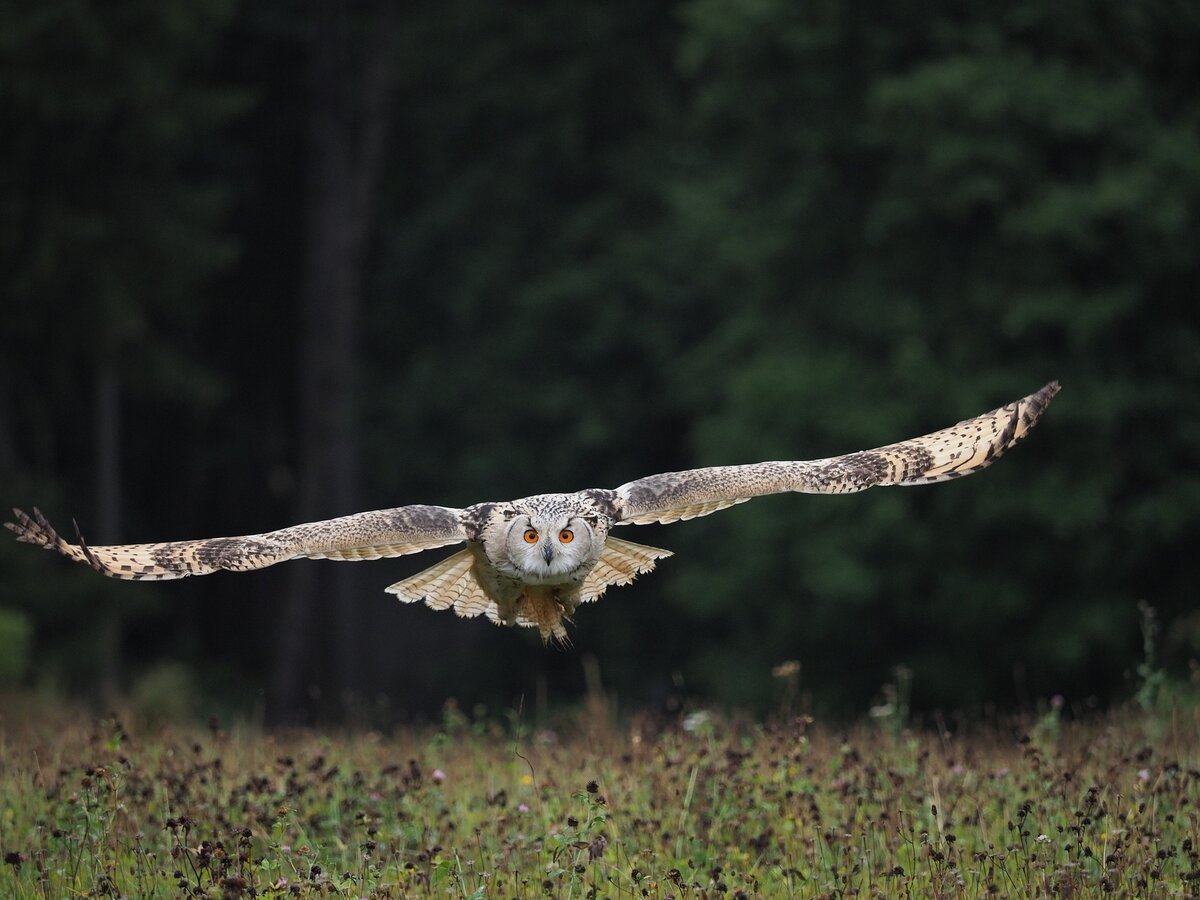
(550, 548)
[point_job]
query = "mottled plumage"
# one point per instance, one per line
(533, 561)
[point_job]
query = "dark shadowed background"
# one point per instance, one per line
(263, 263)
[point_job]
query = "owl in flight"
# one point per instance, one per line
(533, 561)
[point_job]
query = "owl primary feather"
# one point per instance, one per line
(533, 561)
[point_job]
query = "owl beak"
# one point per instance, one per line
(547, 552)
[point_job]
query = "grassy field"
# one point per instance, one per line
(699, 807)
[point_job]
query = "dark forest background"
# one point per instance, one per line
(265, 262)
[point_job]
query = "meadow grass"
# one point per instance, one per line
(700, 806)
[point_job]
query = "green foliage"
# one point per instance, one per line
(16, 643)
(165, 693)
(108, 230)
(655, 810)
(618, 238)
(973, 205)
(111, 230)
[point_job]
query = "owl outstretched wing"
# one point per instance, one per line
(961, 449)
(366, 535)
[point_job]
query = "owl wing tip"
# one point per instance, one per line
(1027, 411)
(14, 527)
(1047, 393)
(32, 528)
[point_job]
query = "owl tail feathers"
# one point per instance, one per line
(449, 584)
(620, 563)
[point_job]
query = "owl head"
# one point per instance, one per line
(548, 544)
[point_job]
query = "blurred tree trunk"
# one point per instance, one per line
(108, 519)
(8, 447)
(347, 135)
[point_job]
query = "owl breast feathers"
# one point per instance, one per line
(533, 561)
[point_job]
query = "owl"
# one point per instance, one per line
(533, 561)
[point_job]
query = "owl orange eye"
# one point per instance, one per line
(531, 536)
(566, 536)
